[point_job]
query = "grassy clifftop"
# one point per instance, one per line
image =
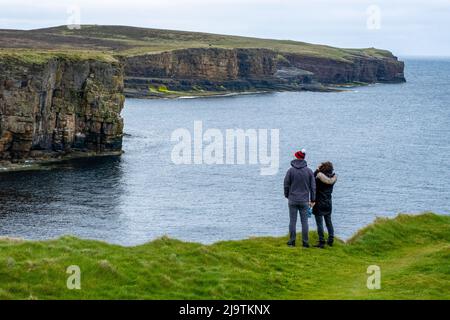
(43, 56)
(412, 252)
(125, 40)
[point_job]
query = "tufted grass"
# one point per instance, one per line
(413, 252)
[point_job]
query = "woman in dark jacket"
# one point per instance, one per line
(325, 180)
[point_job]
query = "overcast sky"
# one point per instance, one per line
(406, 27)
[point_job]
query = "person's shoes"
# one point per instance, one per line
(320, 245)
(305, 245)
(330, 243)
(291, 243)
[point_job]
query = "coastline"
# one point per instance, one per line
(209, 94)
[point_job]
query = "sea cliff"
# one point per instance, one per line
(202, 70)
(169, 63)
(54, 106)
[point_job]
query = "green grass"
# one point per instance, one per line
(30, 56)
(144, 40)
(413, 253)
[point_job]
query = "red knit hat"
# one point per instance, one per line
(300, 154)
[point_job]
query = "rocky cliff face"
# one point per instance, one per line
(59, 106)
(216, 69)
(354, 69)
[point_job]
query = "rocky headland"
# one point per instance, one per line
(54, 106)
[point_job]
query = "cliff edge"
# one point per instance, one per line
(413, 266)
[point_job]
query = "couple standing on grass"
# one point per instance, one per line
(304, 190)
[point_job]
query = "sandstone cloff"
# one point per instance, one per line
(242, 69)
(54, 105)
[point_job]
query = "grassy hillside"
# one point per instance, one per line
(413, 253)
(125, 40)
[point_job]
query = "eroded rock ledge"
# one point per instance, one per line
(53, 107)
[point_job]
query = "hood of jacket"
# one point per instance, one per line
(298, 164)
(327, 179)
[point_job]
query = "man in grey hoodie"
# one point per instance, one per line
(300, 190)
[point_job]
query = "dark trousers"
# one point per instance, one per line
(329, 224)
(302, 209)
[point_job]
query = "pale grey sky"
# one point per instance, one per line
(406, 27)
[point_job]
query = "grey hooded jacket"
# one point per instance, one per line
(299, 183)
